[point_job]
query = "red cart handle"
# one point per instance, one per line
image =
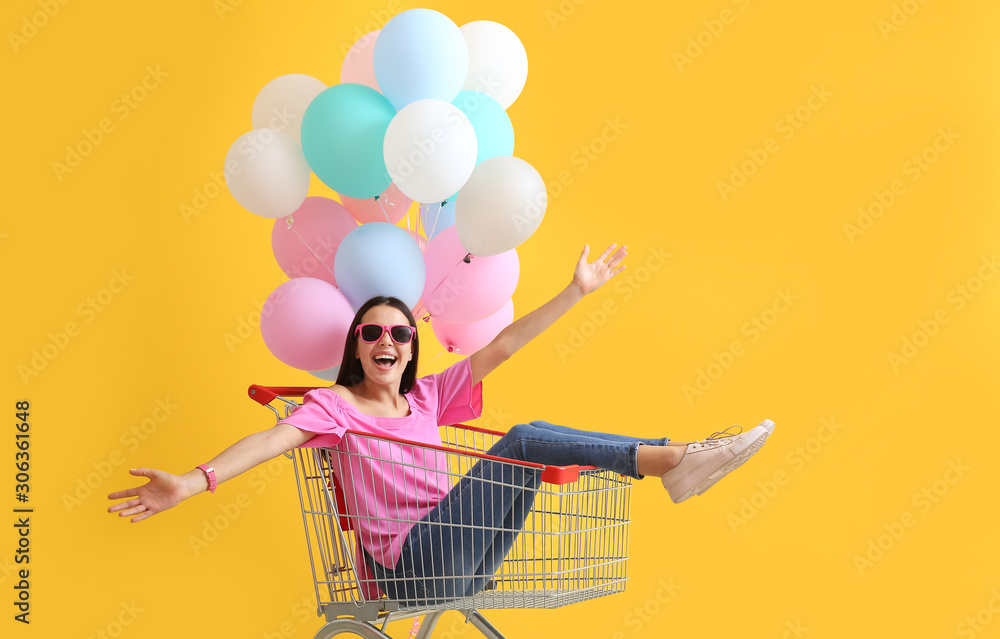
(264, 395)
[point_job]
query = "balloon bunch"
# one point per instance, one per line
(419, 117)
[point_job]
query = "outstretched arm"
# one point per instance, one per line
(164, 490)
(587, 278)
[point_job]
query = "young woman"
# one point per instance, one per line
(463, 531)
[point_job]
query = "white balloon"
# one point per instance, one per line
(498, 63)
(500, 206)
(282, 102)
(267, 173)
(429, 150)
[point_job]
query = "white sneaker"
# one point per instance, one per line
(707, 461)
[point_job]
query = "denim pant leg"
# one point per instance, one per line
(544, 443)
(613, 437)
(455, 549)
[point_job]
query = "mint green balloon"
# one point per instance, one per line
(342, 133)
(494, 131)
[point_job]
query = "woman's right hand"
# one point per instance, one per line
(162, 491)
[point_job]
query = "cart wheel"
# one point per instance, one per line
(352, 626)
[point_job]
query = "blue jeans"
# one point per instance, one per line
(458, 546)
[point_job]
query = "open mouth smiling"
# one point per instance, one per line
(384, 361)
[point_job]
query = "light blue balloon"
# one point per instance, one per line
(342, 133)
(329, 375)
(419, 54)
(494, 131)
(379, 259)
(436, 217)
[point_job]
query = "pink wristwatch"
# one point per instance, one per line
(210, 473)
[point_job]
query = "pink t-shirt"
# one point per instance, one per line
(388, 486)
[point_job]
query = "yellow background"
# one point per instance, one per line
(792, 564)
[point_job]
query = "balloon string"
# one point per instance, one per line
(434, 225)
(384, 212)
(424, 367)
(305, 244)
(466, 260)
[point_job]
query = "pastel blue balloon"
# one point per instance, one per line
(329, 375)
(379, 259)
(436, 217)
(494, 131)
(420, 53)
(342, 133)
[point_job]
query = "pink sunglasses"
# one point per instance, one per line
(401, 333)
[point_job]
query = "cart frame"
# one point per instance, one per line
(572, 546)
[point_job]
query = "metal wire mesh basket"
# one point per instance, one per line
(572, 546)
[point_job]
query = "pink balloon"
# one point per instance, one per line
(305, 248)
(304, 323)
(466, 339)
(460, 293)
(391, 204)
(359, 66)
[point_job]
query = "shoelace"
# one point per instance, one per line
(716, 437)
(725, 433)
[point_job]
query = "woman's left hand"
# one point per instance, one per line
(590, 277)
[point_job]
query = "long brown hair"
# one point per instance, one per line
(351, 371)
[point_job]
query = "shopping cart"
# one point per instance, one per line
(572, 547)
